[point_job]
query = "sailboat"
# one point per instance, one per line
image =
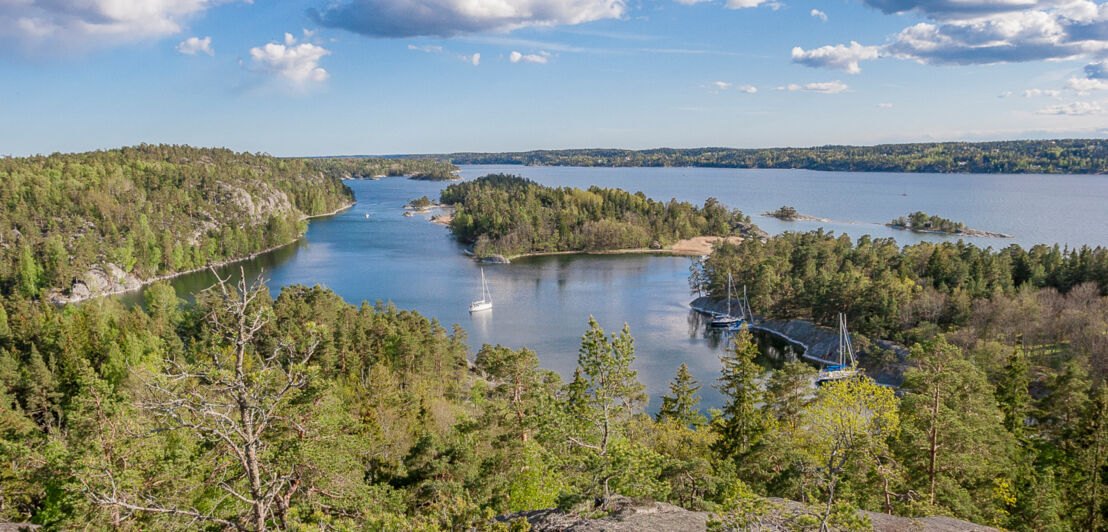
(485, 303)
(847, 367)
(727, 321)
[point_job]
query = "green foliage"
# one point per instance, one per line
(785, 213)
(1080, 156)
(680, 405)
(150, 210)
(367, 168)
(510, 215)
(743, 420)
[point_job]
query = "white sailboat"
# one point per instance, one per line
(485, 303)
(848, 366)
(727, 321)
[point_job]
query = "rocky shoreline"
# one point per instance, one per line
(962, 232)
(109, 279)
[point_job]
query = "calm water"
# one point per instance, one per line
(544, 302)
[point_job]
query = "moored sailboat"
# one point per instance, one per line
(485, 303)
(847, 368)
(726, 321)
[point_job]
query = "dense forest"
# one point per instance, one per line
(1066, 156)
(368, 168)
(510, 215)
(921, 221)
(1008, 347)
(149, 210)
(303, 412)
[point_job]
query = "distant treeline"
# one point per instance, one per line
(150, 210)
(510, 215)
(1067, 156)
(366, 168)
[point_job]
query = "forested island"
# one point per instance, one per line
(421, 169)
(508, 215)
(78, 225)
(922, 222)
(1064, 156)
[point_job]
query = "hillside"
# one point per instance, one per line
(79, 225)
(1064, 156)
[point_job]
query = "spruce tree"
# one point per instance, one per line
(680, 404)
(742, 422)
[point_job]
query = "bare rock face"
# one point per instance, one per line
(99, 280)
(495, 259)
(627, 515)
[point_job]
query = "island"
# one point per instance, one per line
(421, 169)
(510, 216)
(789, 214)
(921, 222)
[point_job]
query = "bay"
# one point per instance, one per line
(545, 302)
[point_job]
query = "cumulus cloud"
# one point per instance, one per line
(540, 57)
(839, 57)
(426, 48)
(1072, 109)
(825, 87)
(195, 45)
(475, 59)
(885, 105)
(446, 18)
(1086, 85)
(721, 85)
(971, 32)
(749, 89)
(83, 24)
(1098, 70)
(297, 63)
(819, 14)
(1031, 93)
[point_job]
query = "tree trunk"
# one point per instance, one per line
(933, 441)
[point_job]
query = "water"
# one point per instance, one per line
(545, 302)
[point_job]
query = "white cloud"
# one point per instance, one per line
(1004, 94)
(540, 57)
(749, 89)
(446, 18)
(475, 58)
(971, 32)
(826, 87)
(298, 63)
(427, 48)
(1031, 93)
(721, 85)
(691, 2)
(743, 4)
(194, 45)
(1072, 109)
(1083, 86)
(80, 25)
(885, 105)
(840, 56)
(819, 14)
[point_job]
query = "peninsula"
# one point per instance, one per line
(921, 222)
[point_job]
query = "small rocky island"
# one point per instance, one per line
(789, 214)
(922, 222)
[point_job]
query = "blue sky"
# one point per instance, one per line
(323, 77)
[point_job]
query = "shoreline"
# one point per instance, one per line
(164, 277)
(965, 232)
(689, 247)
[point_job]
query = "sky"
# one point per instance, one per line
(333, 77)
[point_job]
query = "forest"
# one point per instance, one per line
(369, 167)
(921, 221)
(509, 215)
(1063, 156)
(1006, 347)
(150, 210)
(245, 412)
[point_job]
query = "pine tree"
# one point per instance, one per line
(1012, 394)
(680, 404)
(742, 422)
